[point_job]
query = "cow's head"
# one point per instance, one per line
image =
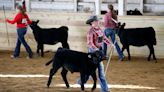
(34, 24)
(117, 27)
(120, 28)
(96, 57)
(63, 28)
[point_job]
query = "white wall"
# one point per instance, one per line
(7, 3)
(53, 5)
(78, 30)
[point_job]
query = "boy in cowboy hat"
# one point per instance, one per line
(95, 39)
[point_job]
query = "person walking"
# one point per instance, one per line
(95, 39)
(22, 21)
(110, 22)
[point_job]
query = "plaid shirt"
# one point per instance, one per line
(95, 38)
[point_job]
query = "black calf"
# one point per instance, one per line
(49, 36)
(74, 61)
(137, 37)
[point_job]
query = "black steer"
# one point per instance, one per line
(49, 36)
(134, 12)
(137, 37)
(74, 61)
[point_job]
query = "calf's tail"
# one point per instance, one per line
(49, 62)
(154, 37)
(155, 42)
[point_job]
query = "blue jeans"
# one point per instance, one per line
(21, 32)
(109, 32)
(101, 74)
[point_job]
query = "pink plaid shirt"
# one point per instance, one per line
(108, 22)
(95, 38)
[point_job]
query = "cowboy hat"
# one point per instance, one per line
(91, 19)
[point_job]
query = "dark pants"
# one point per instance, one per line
(21, 32)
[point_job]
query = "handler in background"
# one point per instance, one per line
(110, 22)
(22, 21)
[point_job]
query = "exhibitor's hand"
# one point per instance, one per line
(96, 49)
(113, 45)
(6, 20)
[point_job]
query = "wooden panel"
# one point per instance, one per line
(78, 30)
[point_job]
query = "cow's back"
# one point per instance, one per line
(72, 60)
(54, 35)
(140, 36)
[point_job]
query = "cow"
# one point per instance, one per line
(75, 61)
(134, 12)
(137, 37)
(49, 36)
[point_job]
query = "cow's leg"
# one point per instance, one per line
(42, 50)
(94, 80)
(154, 54)
(52, 72)
(64, 73)
(37, 51)
(65, 44)
(150, 50)
(82, 76)
(128, 50)
(123, 48)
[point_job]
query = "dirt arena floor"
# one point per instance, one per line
(138, 72)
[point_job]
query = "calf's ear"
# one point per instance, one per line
(124, 24)
(37, 21)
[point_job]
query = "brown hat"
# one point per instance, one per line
(110, 7)
(91, 19)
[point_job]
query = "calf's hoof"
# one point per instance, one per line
(68, 86)
(148, 59)
(92, 90)
(48, 85)
(155, 61)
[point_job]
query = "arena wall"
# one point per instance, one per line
(78, 30)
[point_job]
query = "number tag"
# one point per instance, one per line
(24, 21)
